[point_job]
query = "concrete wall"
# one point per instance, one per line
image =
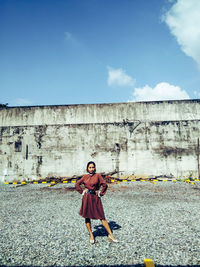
(122, 139)
(101, 113)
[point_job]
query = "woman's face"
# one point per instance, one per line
(91, 168)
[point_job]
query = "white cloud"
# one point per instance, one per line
(197, 93)
(21, 102)
(162, 91)
(68, 36)
(118, 77)
(183, 20)
(70, 39)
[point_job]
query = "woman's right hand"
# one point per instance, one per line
(84, 191)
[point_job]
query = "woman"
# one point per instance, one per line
(92, 207)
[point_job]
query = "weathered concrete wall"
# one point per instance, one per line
(101, 113)
(139, 147)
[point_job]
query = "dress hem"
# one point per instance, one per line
(92, 218)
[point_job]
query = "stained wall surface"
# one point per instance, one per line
(144, 139)
(101, 113)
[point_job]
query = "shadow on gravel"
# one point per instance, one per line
(100, 230)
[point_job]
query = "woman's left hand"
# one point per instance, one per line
(98, 193)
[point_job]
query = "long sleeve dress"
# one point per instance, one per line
(91, 204)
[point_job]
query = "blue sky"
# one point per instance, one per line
(98, 51)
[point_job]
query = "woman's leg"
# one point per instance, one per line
(89, 227)
(107, 227)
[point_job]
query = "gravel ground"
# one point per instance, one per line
(40, 226)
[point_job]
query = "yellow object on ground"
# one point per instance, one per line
(148, 263)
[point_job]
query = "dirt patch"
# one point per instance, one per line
(59, 190)
(120, 188)
(197, 189)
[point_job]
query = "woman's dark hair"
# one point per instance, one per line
(91, 162)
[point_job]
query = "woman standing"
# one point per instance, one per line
(92, 207)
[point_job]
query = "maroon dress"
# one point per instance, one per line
(92, 207)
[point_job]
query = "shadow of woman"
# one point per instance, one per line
(100, 230)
